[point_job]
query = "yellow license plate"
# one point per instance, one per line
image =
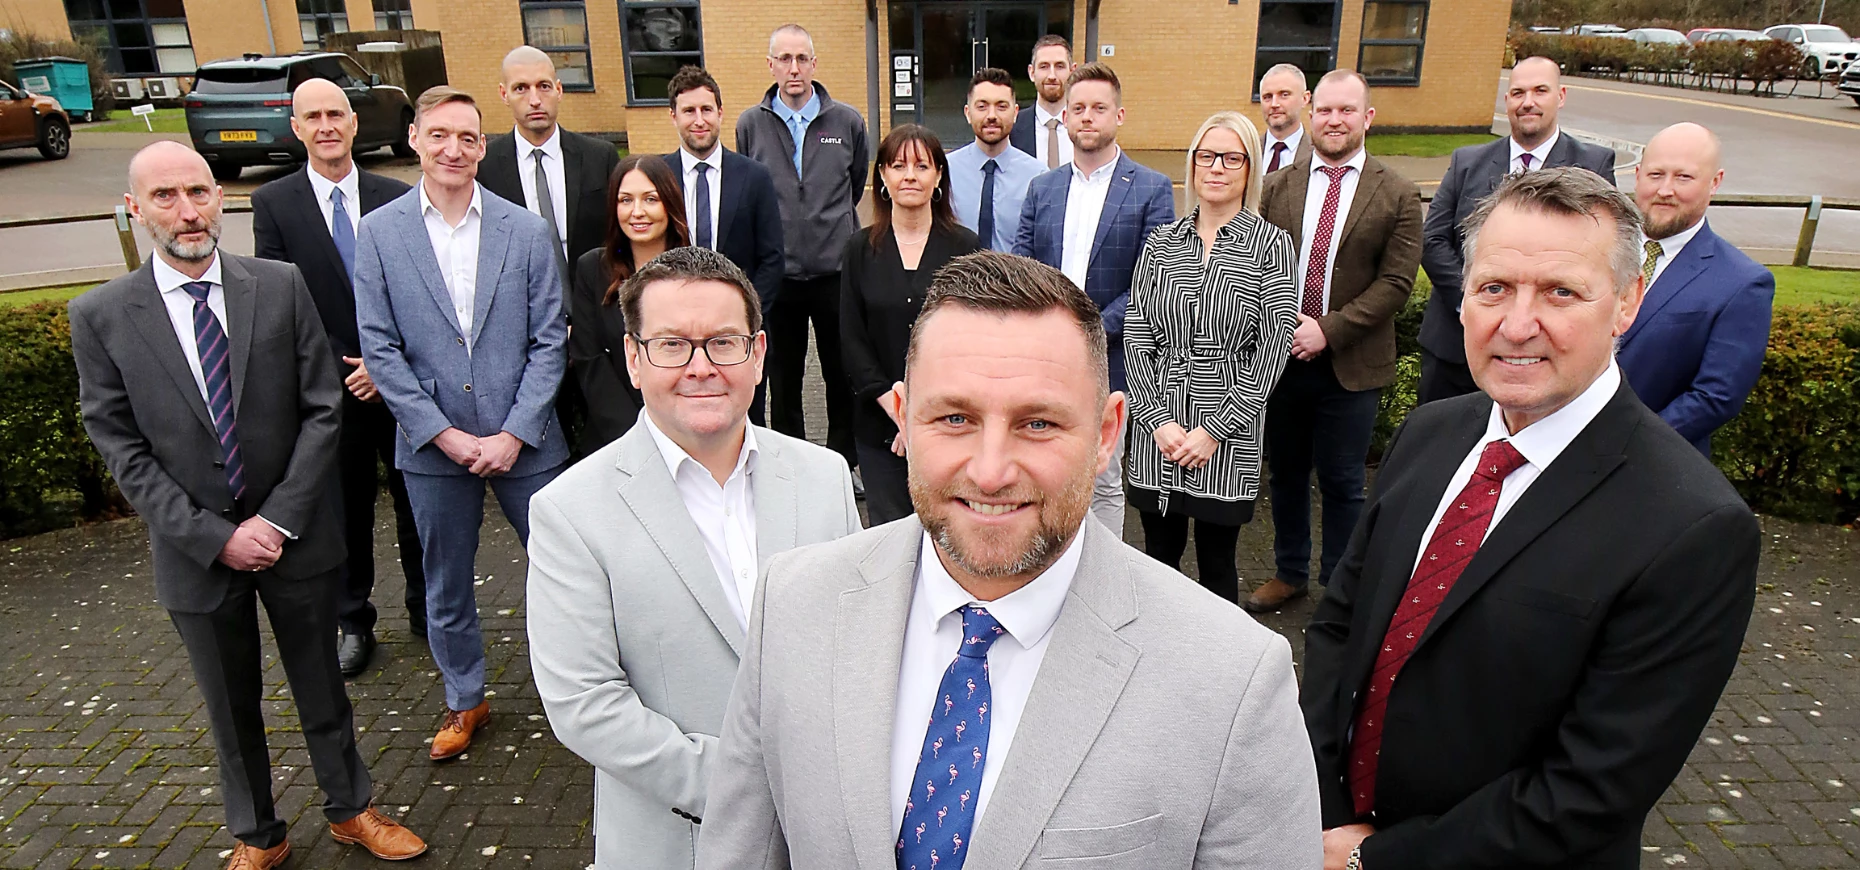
(238, 135)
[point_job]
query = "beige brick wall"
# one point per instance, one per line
(228, 28)
(1459, 66)
(40, 17)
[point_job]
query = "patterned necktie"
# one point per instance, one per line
(1454, 543)
(704, 239)
(1653, 259)
(985, 219)
(1317, 269)
(1278, 153)
(545, 203)
(939, 812)
(342, 231)
(1524, 160)
(210, 342)
(1052, 143)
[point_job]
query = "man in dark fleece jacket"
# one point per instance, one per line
(816, 150)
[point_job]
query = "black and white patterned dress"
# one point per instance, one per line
(1204, 344)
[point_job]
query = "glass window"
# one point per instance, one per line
(138, 37)
(1394, 32)
(560, 29)
(661, 36)
(317, 19)
(393, 14)
(1301, 32)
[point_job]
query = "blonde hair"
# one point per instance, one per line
(1249, 142)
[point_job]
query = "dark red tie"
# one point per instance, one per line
(1316, 269)
(1278, 151)
(1462, 528)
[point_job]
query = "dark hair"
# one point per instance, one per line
(902, 138)
(1002, 283)
(690, 263)
(1096, 72)
(1566, 191)
(690, 78)
(1048, 41)
(439, 95)
(989, 75)
(617, 254)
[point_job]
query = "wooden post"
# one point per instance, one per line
(1805, 243)
(126, 236)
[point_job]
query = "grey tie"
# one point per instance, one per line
(546, 204)
(1052, 143)
(703, 207)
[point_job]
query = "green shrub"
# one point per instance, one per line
(19, 45)
(48, 470)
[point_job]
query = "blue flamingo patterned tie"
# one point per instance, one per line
(939, 814)
(210, 339)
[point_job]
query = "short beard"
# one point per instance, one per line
(1670, 228)
(1059, 517)
(197, 252)
(1351, 146)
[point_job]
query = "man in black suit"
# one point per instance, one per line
(730, 203)
(309, 219)
(1498, 676)
(1532, 99)
(207, 385)
(1041, 131)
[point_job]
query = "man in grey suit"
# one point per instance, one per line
(1533, 95)
(995, 679)
(459, 306)
(673, 521)
(207, 384)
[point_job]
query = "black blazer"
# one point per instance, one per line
(748, 221)
(597, 356)
(287, 225)
(586, 161)
(879, 300)
(1558, 690)
(1472, 174)
(1022, 135)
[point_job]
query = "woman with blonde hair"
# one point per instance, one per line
(1213, 303)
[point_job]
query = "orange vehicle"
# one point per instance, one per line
(30, 120)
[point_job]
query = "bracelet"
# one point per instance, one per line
(1356, 859)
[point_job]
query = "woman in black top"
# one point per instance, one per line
(883, 276)
(648, 219)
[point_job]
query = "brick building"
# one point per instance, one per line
(1433, 61)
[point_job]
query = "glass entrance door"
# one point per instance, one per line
(952, 40)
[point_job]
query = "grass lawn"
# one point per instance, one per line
(164, 120)
(22, 298)
(1423, 144)
(1807, 286)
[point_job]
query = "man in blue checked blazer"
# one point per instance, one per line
(1089, 219)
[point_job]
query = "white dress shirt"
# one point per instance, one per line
(933, 633)
(1040, 117)
(715, 180)
(351, 187)
(1291, 147)
(1315, 192)
(1540, 443)
(456, 249)
(1669, 248)
(1538, 154)
(725, 515)
(553, 168)
(1084, 207)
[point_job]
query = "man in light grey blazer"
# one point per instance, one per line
(996, 682)
(644, 556)
(459, 308)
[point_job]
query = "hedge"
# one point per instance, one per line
(48, 472)
(1707, 65)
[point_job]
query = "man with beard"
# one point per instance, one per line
(1695, 352)
(208, 386)
(1532, 98)
(987, 178)
(1042, 131)
(1284, 97)
(1010, 683)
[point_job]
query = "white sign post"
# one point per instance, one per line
(146, 112)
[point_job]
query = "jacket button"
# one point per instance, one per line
(220, 465)
(468, 388)
(461, 341)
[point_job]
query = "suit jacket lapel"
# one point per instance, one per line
(237, 285)
(652, 496)
(493, 244)
(1366, 188)
(1113, 202)
(865, 680)
(728, 198)
(374, 193)
(1293, 203)
(426, 261)
(778, 503)
(311, 212)
(1691, 262)
(1563, 153)
(150, 315)
(573, 169)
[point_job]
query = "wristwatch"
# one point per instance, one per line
(1356, 859)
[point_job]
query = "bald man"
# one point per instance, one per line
(207, 384)
(1697, 348)
(310, 219)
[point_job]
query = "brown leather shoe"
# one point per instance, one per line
(1272, 595)
(455, 733)
(381, 836)
(246, 857)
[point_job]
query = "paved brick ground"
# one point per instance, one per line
(105, 760)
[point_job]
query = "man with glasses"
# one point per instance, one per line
(611, 530)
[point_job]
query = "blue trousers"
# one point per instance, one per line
(449, 509)
(1313, 424)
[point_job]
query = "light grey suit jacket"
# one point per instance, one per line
(1163, 729)
(632, 643)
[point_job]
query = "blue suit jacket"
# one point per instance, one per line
(1140, 200)
(1696, 349)
(506, 378)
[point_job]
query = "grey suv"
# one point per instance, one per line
(239, 112)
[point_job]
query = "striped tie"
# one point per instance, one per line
(210, 339)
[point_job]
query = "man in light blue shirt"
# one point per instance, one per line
(797, 121)
(987, 178)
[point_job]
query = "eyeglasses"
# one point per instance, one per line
(1229, 159)
(676, 353)
(792, 59)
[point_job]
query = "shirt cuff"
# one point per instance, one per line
(281, 530)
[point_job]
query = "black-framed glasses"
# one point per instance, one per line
(676, 352)
(1229, 159)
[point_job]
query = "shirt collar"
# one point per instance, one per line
(476, 207)
(1538, 154)
(1291, 142)
(807, 113)
(1027, 613)
(551, 146)
(675, 456)
(169, 279)
(1102, 172)
(1356, 162)
(1543, 441)
(1041, 116)
(714, 161)
(1673, 244)
(322, 186)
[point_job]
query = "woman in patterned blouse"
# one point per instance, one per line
(1213, 304)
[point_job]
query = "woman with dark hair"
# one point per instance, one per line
(648, 218)
(884, 274)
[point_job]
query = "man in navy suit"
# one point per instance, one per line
(1089, 219)
(1040, 131)
(1532, 99)
(730, 202)
(1696, 349)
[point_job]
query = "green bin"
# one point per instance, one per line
(64, 79)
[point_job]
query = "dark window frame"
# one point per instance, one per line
(398, 18)
(323, 13)
(113, 54)
(1419, 44)
(1260, 47)
(627, 7)
(586, 49)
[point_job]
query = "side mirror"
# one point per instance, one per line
(374, 80)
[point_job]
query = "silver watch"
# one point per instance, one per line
(1356, 859)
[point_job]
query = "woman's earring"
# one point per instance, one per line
(936, 195)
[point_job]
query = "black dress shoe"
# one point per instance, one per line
(417, 630)
(353, 651)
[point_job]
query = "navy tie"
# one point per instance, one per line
(702, 229)
(341, 231)
(985, 219)
(211, 342)
(939, 813)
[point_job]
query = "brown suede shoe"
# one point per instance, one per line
(1272, 595)
(381, 836)
(455, 733)
(246, 857)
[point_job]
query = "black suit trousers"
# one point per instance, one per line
(223, 648)
(368, 439)
(802, 300)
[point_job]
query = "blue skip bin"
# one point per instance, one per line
(64, 79)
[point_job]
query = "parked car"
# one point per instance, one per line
(1732, 34)
(1542, 28)
(1656, 36)
(1610, 30)
(31, 120)
(239, 112)
(1826, 50)
(1850, 82)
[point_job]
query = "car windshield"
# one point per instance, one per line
(1826, 34)
(241, 80)
(1661, 36)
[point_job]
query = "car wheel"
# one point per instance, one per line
(1857, 99)
(55, 139)
(1811, 68)
(401, 147)
(226, 171)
